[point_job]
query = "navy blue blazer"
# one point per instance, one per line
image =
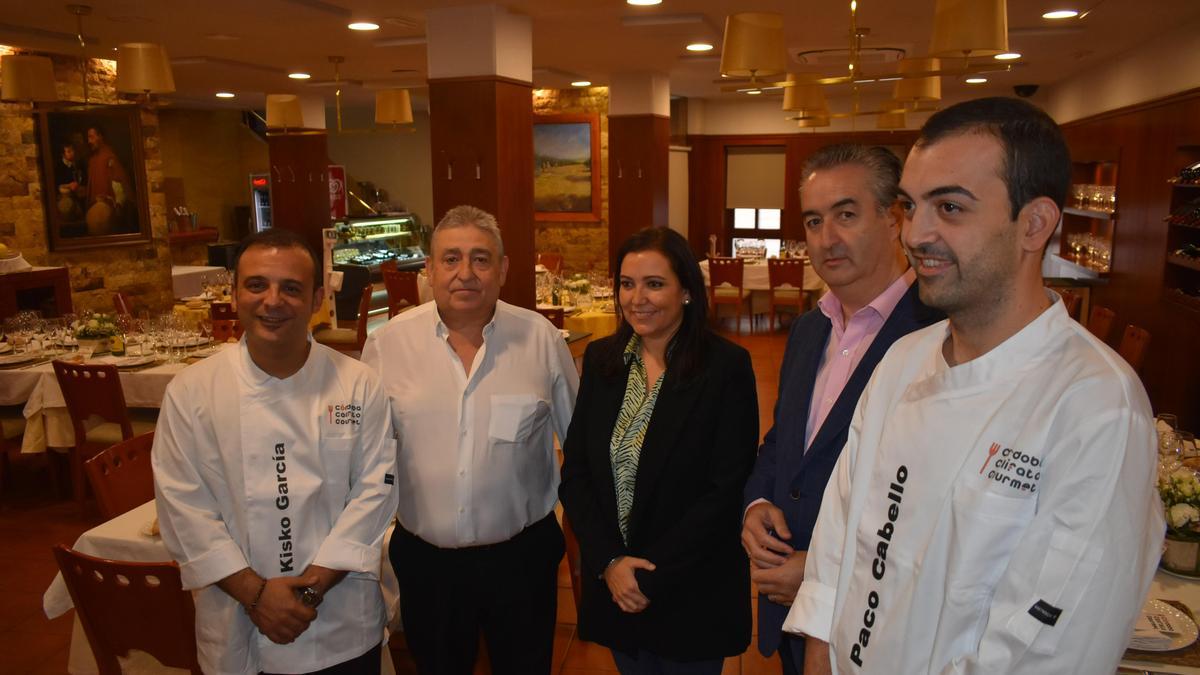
(784, 474)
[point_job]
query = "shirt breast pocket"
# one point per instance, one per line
(515, 417)
(987, 527)
(337, 452)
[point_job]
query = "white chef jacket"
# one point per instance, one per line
(476, 452)
(995, 517)
(251, 470)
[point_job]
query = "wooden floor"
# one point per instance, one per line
(31, 522)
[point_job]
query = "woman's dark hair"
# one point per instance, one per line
(685, 353)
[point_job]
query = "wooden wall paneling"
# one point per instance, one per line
(1148, 136)
(299, 184)
(638, 150)
(481, 146)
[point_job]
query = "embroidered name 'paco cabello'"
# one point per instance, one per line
(879, 564)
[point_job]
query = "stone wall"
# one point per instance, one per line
(583, 244)
(143, 272)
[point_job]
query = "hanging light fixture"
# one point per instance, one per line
(804, 95)
(814, 122)
(969, 28)
(891, 116)
(393, 106)
(26, 77)
(753, 45)
(143, 68)
(283, 112)
(913, 89)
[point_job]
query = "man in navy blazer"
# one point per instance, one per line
(852, 226)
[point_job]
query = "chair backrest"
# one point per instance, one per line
(222, 311)
(1133, 346)
(555, 314)
(1071, 300)
(725, 271)
(387, 265)
(131, 605)
(223, 329)
(782, 271)
(121, 303)
(364, 310)
(402, 290)
(1101, 321)
(121, 476)
(553, 262)
(92, 389)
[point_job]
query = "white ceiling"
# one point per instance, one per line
(247, 47)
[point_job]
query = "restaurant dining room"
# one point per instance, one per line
(586, 336)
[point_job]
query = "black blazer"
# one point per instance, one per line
(687, 506)
(784, 474)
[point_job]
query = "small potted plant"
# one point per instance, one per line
(96, 333)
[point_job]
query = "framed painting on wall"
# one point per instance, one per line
(93, 177)
(566, 167)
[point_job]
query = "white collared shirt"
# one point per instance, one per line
(476, 450)
(277, 474)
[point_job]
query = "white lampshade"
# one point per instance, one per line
(393, 106)
(283, 111)
(805, 95)
(918, 88)
(753, 45)
(143, 68)
(25, 77)
(969, 28)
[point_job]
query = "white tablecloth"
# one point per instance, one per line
(185, 279)
(755, 276)
(121, 539)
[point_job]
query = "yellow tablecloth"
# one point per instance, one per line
(599, 324)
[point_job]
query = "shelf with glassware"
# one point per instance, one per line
(1181, 273)
(364, 244)
(1089, 217)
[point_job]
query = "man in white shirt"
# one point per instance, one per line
(994, 509)
(478, 387)
(273, 470)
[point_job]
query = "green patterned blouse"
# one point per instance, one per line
(625, 448)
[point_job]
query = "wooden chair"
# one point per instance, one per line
(121, 303)
(344, 339)
(94, 390)
(553, 262)
(781, 272)
(12, 429)
(131, 605)
(225, 329)
(1101, 321)
(222, 311)
(388, 265)
(121, 476)
(1071, 301)
(402, 290)
(556, 315)
(1133, 346)
(727, 271)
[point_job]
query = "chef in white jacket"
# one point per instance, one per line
(274, 473)
(993, 510)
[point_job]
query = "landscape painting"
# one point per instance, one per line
(566, 171)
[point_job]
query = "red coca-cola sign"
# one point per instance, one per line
(338, 201)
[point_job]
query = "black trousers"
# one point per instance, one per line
(506, 591)
(791, 654)
(367, 664)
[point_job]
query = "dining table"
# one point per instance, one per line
(132, 536)
(756, 280)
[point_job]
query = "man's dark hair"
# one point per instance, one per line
(883, 165)
(685, 353)
(275, 237)
(1036, 161)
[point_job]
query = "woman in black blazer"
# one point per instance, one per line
(663, 438)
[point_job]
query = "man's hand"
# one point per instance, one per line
(623, 584)
(762, 530)
(816, 657)
(781, 583)
(326, 579)
(279, 613)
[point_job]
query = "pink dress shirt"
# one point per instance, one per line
(848, 341)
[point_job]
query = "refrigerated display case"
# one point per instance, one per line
(260, 200)
(363, 244)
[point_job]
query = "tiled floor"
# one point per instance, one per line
(31, 521)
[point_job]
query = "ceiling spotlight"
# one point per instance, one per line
(643, 3)
(976, 80)
(224, 94)
(299, 76)
(1061, 14)
(363, 25)
(1009, 56)
(699, 47)
(581, 83)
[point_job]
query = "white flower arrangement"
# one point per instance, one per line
(100, 326)
(579, 284)
(1180, 492)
